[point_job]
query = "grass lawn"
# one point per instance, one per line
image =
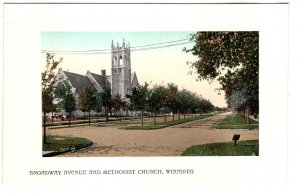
(163, 124)
(93, 120)
(242, 148)
(235, 121)
(59, 143)
(79, 122)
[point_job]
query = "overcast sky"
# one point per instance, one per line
(158, 66)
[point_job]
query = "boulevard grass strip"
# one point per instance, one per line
(78, 122)
(87, 121)
(163, 124)
(242, 148)
(60, 143)
(235, 121)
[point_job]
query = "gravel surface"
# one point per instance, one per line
(110, 140)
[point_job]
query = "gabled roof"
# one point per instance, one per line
(79, 82)
(132, 75)
(134, 80)
(101, 80)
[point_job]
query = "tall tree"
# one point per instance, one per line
(90, 100)
(118, 103)
(139, 98)
(68, 100)
(184, 97)
(206, 106)
(157, 99)
(53, 109)
(82, 102)
(48, 79)
(172, 100)
(106, 100)
(232, 58)
(98, 104)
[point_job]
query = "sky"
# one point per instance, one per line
(155, 66)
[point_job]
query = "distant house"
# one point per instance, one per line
(121, 80)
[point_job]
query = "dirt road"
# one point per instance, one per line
(170, 141)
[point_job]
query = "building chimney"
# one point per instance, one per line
(103, 72)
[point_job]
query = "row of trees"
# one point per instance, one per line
(88, 100)
(142, 98)
(167, 99)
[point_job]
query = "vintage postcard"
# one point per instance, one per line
(159, 94)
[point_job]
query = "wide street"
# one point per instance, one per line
(110, 140)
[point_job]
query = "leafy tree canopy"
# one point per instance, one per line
(118, 102)
(139, 97)
(98, 102)
(68, 100)
(157, 97)
(172, 100)
(230, 57)
(48, 79)
(105, 96)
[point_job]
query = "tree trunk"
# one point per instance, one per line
(44, 122)
(120, 115)
(173, 116)
(106, 113)
(84, 116)
(52, 116)
(142, 112)
(178, 115)
(89, 117)
(184, 115)
(248, 116)
(70, 119)
(154, 119)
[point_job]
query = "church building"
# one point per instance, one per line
(121, 80)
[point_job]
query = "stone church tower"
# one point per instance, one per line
(121, 81)
(120, 68)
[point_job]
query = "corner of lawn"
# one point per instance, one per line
(242, 148)
(235, 121)
(62, 144)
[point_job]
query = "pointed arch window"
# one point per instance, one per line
(121, 60)
(115, 61)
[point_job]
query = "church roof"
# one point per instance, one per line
(78, 81)
(101, 80)
(109, 81)
(134, 80)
